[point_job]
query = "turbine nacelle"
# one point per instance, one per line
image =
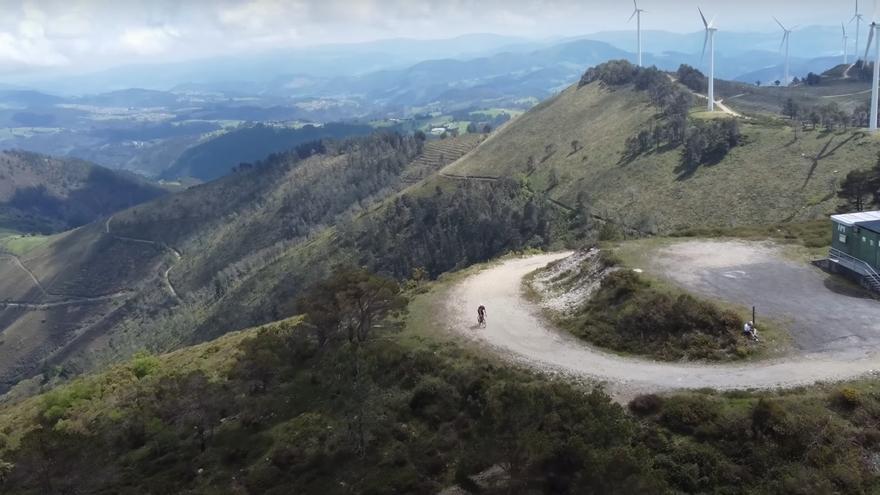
(710, 30)
(636, 11)
(871, 28)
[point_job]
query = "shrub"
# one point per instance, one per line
(686, 414)
(646, 404)
(144, 364)
(849, 397)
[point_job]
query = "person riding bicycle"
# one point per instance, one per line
(481, 315)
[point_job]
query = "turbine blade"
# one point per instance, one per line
(870, 38)
(712, 22)
(843, 28)
(782, 43)
(780, 24)
(706, 24)
(633, 15)
(705, 41)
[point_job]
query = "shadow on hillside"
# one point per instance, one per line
(825, 152)
(103, 192)
(685, 172)
(626, 158)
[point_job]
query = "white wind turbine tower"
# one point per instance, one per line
(710, 39)
(872, 36)
(858, 18)
(845, 47)
(637, 13)
(786, 33)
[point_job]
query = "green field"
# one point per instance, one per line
(21, 244)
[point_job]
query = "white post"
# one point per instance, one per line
(712, 70)
(873, 124)
(639, 34)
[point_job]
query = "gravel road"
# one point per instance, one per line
(517, 331)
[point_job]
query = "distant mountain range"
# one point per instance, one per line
(310, 66)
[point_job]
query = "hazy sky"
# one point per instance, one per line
(81, 34)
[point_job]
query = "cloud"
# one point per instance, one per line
(149, 40)
(92, 34)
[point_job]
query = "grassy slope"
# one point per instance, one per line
(768, 180)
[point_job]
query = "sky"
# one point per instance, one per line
(38, 35)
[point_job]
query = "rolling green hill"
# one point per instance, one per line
(776, 174)
(41, 194)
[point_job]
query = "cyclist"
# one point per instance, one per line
(481, 316)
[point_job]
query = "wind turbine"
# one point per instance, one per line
(786, 33)
(858, 18)
(637, 13)
(872, 125)
(845, 47)
(710, 40)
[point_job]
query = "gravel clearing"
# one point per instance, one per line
(516, 330)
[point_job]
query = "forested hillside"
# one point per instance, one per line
(166, 267)
(41, 194)
(219, 155)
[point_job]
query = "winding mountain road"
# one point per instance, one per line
(516, 330)
(166, 275)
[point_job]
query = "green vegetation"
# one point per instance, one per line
(21, 244)
(628, 314)
(271, 410)
(811, 234)
(804, 441)
(451, 229)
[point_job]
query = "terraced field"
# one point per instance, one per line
(438, 154)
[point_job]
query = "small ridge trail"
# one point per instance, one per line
(66, 299)
(516, 330)
(166, 275)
